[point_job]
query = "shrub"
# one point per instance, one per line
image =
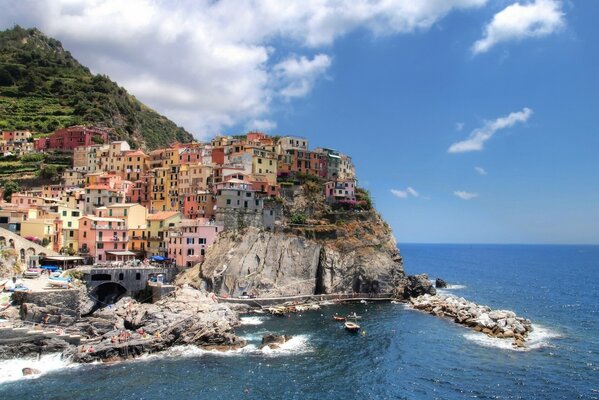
(298, 219)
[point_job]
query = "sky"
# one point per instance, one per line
(469, 121)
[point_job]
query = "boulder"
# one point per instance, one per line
(30, 371)
(440, 283)
(414, 286)
(273, 341)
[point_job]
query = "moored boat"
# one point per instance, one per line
(338, 318)
(59, 281)
(32, 273)
(352, 326)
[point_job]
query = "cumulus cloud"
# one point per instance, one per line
(299, 74)
(465, 195)
(210, 65)
(404, 194)
(478, 137)
(521, 21)
(480, 170)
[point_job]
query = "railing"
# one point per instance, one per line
(109, 227)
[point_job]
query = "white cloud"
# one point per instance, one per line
(210, 65)
(480, 170)
(264, 125)
(403, 194)
(478, 137)
(518, 21)
(299, 74)
(465, 195)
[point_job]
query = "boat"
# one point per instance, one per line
(351, 326)
(338, 318)
(32, 273)
(353, 316)
(58, 281)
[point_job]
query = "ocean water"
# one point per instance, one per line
(403, 354)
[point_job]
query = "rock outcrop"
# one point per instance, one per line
(414, 286)
(273, 341)
(501, 324)
(440, 283)
(357, 254)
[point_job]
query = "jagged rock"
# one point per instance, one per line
(440, 283)
(414, 286)
(274, 341)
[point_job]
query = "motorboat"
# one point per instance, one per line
(59, 281)
(338, 318)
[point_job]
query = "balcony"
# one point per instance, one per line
(109, 227)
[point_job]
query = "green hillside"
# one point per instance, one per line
(42, 87)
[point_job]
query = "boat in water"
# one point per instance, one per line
(352, 326)
(338, 318)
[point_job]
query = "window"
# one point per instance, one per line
(137, 276)
(71, 233)
(64, 213)
(228, 202)
(100, 246)
(84, 234)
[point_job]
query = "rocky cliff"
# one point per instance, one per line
(356, 253)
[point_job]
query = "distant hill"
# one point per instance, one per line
(42, 87)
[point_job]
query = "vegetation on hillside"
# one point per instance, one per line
(42, 88)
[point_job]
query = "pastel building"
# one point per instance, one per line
(188, 240)
(340, 190)
(102, 238)
(158, 225)
(68, 139)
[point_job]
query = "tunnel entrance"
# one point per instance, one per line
(106, 294)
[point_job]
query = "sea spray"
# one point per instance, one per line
(12, 369)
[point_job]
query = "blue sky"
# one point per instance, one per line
(513, 86)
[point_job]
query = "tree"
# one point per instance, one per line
(50, 172)
(10, 187)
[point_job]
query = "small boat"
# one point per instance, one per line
(58, 281)
(338, 318)
(32, 273)
(352, 326)
(354, 316)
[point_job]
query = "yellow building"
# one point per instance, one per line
(135, 220)
(70, 226)
(264, 163)
(158, 188)
(136, 165)
(44, 229)
(156, 233)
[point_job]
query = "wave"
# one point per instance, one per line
(12, 369)
(540, 337)
(296, 345)
(251, 320)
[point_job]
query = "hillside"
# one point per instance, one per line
(42, 87)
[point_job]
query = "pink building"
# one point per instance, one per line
(340, 190)
(102, 239)
(71, 137)
(188, 241)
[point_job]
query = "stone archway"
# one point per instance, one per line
(105, 294)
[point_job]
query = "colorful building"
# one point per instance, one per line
(188, 240)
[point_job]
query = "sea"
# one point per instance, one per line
(400, 353)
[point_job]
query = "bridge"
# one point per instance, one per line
(107, 285)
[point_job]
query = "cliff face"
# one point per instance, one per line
(358, 253)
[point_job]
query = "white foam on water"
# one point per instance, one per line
(455, 287)
(540, 337)
(251, 320)
(296, 345)
(12, 369)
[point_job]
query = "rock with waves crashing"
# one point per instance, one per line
(359, 255)
(414, 286)
(274, 341)
(30, 371)
(440, 283)
(186, 317)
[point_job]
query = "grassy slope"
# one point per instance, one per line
(42, 87)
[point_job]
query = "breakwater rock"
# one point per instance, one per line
(501, 324)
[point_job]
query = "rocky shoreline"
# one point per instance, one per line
(502, 324)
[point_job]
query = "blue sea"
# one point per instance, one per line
(403, 354)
